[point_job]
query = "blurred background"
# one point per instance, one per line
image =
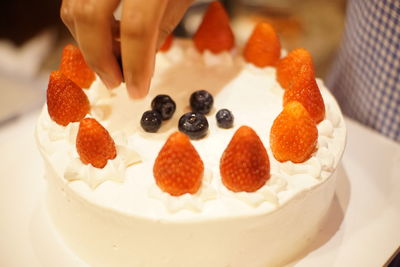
(32, 37)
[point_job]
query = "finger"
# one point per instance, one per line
(66, 15)
(139, 32)
(116, 40)
(172, 15)
(93, 21)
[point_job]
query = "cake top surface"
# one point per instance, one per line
(126, 184)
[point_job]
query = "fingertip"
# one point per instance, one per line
(111, 82)
(117, 81)
(135, 91)
(137, 84)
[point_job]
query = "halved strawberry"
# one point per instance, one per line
(304, 89)
(293, 134)
(178, 168)
(167, 43)
(66, 102)
(263, 47)
(244, 165)
(214, 33)
(94, 144)
(289, 67)
(74, 66)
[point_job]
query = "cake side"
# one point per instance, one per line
(102, 237)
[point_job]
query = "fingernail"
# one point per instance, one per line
(110, 82)
(107, 83)
(135, 91)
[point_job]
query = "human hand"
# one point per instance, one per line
(142, 30)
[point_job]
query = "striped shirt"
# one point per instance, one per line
(365, 78)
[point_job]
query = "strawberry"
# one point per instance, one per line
(66, 102)
(94, 144)
(214, 33)
(304, 89)
(178, 168)
(289, 67)
(244, 165)
(263, 47)
(167, 43)
(293, 134)
(74, 66)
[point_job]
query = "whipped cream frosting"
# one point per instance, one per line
(126, 184)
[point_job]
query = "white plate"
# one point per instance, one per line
(362, 227)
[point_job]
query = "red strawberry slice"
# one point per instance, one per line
(66, 102)
(290, 67)
(74, 66)
(94, 144)
(293, 134)
(244, 165)
(263, 47)
(178, 168)
(304, 89)
(167, 43)
(214, 33)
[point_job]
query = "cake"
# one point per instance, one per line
(117, 215)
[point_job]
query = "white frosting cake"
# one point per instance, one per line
(117, 216)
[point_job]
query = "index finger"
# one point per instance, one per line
(93, 32)
(139, 32)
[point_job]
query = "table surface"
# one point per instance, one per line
(362, 226)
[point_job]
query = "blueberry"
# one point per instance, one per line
(193, 124)
(151, 121)
(224, 118)
(201, 101)
(164, 105)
